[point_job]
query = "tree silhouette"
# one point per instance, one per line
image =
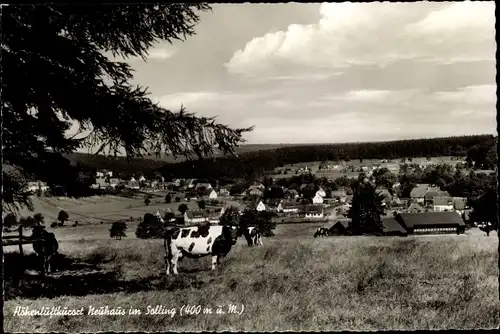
(9, 220)
(118, 229)
(231, 216)
(201, 204)
(62, 216)
(366, 208)
(168, 198)
(55, 74)
(182, 208)
(38, 218)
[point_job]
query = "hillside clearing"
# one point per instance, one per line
(293, 282)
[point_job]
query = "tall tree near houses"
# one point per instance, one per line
(366, 208)
(57, 72)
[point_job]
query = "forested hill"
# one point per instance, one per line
(254, 163)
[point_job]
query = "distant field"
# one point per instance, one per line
(96, 208)
(293, 282)
(314, 166)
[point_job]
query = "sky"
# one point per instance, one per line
(334, 72)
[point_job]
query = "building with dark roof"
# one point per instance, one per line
(432, 222)
(429, 196)
(393, 228)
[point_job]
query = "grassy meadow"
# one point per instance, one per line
(313, 166)
(104, 208)
(293, 282)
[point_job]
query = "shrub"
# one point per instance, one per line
(117, 230)
(230, 217)
(27, 222)
(38, 218)
(168, 198)
(53, 225)
(182, 208)
(62, 216)
(10, 220)
(177, 199)
(262, 220)
(202, 205)
(150, 227)
(147, 201)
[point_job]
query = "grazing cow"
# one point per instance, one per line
(252, 235)
(321, 232)
(485, 227)
(45, 245)
(197, 242)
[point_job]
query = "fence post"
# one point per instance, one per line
(21, 240)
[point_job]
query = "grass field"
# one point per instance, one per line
(102, 208)
(313, 166)
(293, 282)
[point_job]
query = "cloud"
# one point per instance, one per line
(469, 95)
(349, 34)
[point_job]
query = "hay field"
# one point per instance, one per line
(96, 208)
(293, 282)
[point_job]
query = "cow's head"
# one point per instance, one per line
(230, 233)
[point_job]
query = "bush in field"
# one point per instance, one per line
(150, 227)
(62, 216)
(147, 201)
(262, 220)
(231, 216)
(202, 205)
(38, 218)
(177, 199)
(118, 229)
(168, 198)
(53, 225)
(182, 208)
(9, 220)
(27, 222)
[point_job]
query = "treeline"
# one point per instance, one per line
(251, 165)
(254, 164)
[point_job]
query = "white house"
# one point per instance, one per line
(35, 186)
(178, 182)
(314, 212)
(132, 179)
(318, 199)
(190, 183)
(104, 173)
(321, 192)
(286, 207)
(213, 194)
(142, 179)
(443, 203)
(193, 217)
(261, 206)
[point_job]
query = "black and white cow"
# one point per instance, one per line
(252, 235)
(45, 245)
(197, 242)
(321, 232)
(485, 227)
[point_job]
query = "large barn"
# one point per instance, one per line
(432, 222)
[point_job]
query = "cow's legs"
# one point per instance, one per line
(167, 265)
(175, 260)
